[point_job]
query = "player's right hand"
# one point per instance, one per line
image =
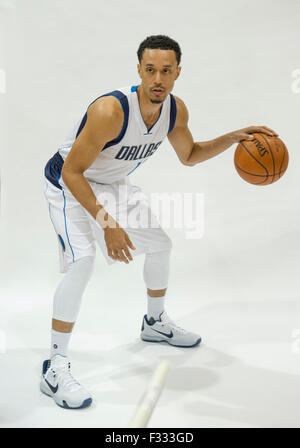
(247, 133)
(118, 244)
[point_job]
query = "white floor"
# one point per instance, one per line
(245, 374)
(238, 286)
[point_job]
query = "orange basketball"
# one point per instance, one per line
(261, 161)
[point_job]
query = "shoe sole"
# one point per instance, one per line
(64, 404)
(85, 404)
(174, 345)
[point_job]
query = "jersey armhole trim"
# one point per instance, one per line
(173, 113)
(125, 106)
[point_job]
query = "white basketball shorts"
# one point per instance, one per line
(78, 232)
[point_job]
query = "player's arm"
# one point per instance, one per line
(190, 153)
(104, 123)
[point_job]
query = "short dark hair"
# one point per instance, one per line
(159, 42)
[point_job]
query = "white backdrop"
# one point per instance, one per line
(237, 64)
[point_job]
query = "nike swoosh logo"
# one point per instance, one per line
(53, 389)
(170, 335)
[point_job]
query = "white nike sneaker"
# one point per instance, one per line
(58, 383)
(165, 330)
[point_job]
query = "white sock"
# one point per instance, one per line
(59, 343)
(156, 305)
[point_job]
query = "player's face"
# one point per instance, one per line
(158, 71)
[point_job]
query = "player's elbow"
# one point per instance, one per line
(187, 163)
(65, 174)
(65, 171)
(68, 172)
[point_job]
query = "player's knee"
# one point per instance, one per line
(164, 246)
(87, 261)
(84, 265)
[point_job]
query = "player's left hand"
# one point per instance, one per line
(247, 133)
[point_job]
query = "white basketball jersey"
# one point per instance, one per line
(134, 145)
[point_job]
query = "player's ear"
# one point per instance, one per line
(139, 70)
(178, 72)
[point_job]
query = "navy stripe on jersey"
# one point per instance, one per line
(82, 124)
(55, 164)
(173, 113)
(53, 169)
(125, 106)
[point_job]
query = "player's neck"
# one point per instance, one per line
(147, 108)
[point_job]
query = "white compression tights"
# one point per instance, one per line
(68, 295)
(67, 298)
(156, 269)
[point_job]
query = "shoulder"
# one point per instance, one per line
(106, 107)
(182, 112)
(106, 116)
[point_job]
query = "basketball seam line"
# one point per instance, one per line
(255, 158)
(258, 175)
(272, 156)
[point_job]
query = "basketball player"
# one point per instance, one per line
(119, 132)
